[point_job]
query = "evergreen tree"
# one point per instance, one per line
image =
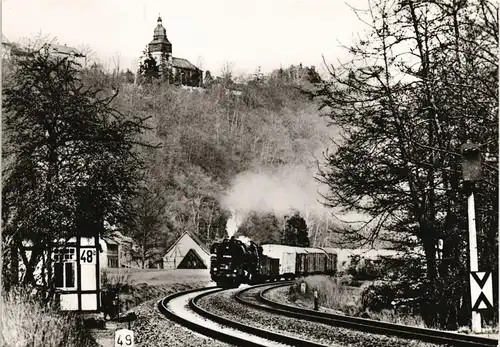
(129, 76)
(296, 231)
(149, 68)
(313, 76)
(208, 81)
(261, 228)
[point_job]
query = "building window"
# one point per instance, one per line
(64, 268)
(112, 261)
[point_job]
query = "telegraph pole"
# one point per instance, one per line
(471, 170)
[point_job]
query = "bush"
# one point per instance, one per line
(330, 294)
(391, 295)
(123, 281)
(365, 269)
(119, 283)
(28, 323)
(345, 279)
(378, 296)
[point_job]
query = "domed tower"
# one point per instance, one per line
(160, 47)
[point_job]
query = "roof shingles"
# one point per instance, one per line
(183, 63)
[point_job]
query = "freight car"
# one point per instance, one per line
(234, 262)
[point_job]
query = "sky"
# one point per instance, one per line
(211, 33)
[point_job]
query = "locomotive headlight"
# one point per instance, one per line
(215, 269)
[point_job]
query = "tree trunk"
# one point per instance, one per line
(143, 255)
(429, 312)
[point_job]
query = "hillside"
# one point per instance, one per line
(252, 154)
(255, 151)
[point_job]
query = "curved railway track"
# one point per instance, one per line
(176, 307)
(222, 329)
(259, 301)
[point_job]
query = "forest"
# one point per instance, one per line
(202, 153)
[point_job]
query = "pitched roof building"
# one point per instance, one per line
(16, 49)
(174, 70)
(188, 252)
(117, 251)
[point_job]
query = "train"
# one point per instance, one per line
(234, 262)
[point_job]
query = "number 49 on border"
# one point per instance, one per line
(124, 337)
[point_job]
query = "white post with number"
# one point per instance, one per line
(471, 171)
(124, 338)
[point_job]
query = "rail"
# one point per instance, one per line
(219, 335)
(363, 324)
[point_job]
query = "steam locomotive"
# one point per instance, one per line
(234, 262)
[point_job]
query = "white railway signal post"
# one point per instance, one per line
(481, 294)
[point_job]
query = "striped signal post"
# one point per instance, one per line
(471, 171)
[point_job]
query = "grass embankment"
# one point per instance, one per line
(26, 322)
(137, 286)
(334, 294)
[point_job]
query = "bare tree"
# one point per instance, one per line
(423, 83)
(116, 63)
(200, 62)
(227, 73)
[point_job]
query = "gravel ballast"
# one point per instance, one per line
(153, 329)
(180, 306)
(226, 306)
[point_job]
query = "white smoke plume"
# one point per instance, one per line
(279, 191)
(244, 239)
(234, 222)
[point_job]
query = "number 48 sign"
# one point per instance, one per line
(87, 256)
(124, 337)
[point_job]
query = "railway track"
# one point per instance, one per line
(182, 308)
(259, 301)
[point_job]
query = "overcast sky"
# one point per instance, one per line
(248, 33)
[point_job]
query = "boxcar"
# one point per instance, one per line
(309, 261)
(287, 258)
(322, 261)
(316, 260)
(269, 267)
(300, 264)
(265, 266)
(331, 261)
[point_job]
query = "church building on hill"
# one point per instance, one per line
(178, 70)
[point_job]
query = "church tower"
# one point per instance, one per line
(160, 48)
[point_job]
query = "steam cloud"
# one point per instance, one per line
(279, 191)
(234, 222)
(244, 239)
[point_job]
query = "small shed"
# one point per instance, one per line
(188, 252)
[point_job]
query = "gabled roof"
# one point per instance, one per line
(117, 237)
(195, 239)
(183, 64)
(65, 50)
(192, 253)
